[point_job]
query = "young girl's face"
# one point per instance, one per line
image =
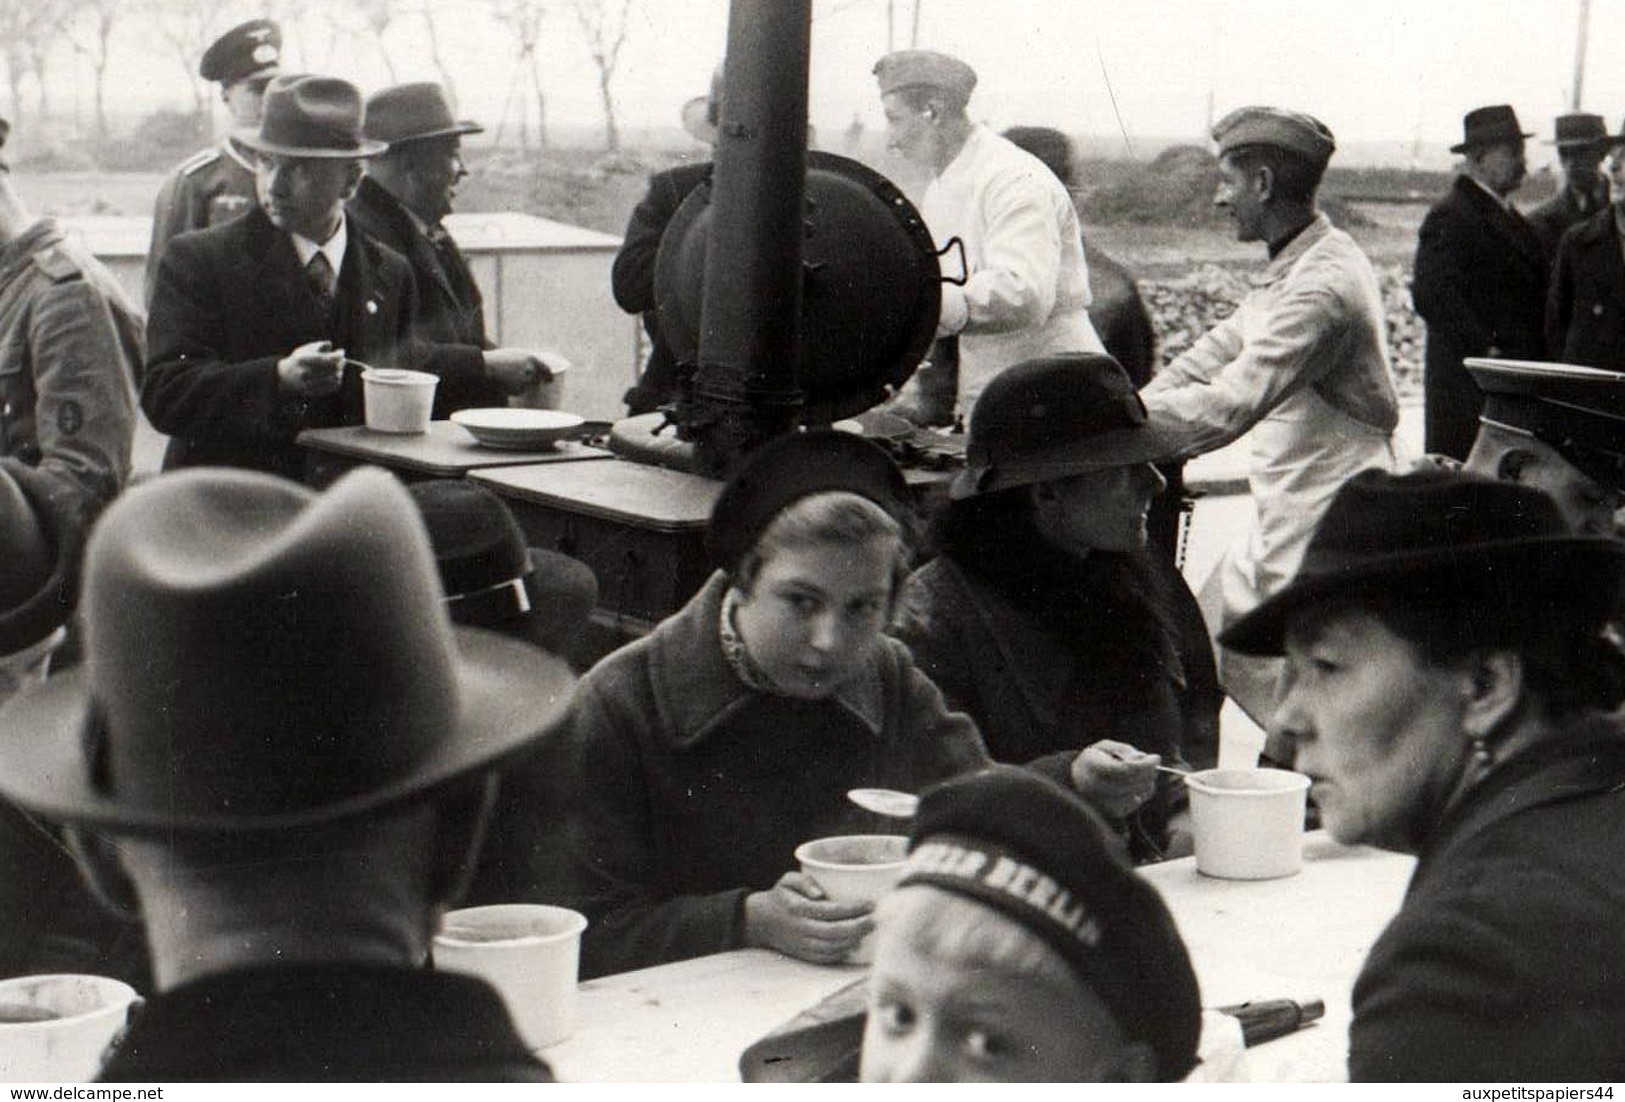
(938, 1014)
(813, 617)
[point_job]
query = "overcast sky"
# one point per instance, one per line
(1373, 70)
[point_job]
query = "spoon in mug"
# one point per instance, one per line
(885, 801)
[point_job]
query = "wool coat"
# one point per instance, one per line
(1480, 284)
(1585, 305)
(1505, 963)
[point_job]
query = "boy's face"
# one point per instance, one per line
(814, 615)
(950, 1017)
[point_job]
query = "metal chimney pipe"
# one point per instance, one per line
(749, 351)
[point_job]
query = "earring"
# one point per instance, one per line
(1482, 757)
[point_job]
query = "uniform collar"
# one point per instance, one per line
(1306, 239)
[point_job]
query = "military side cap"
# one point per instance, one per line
(1572, 131)
(907, 68)
(246, 49)
(1033, 851)
(1578, 411)
(1297, 133)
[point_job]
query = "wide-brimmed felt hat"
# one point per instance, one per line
(246, 50)
(413, 113)
(1489, 126)
(311, 116)
(1571, 131)
(1464, 531)
(1577, 411)
(1055, 417)
(789, 468)
(1035, 852)
(262, 658)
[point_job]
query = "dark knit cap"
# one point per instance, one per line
(789, 468)
(1023, 845)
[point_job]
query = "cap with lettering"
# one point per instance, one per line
(1035, 852)
(244, 51)
(1578, 411)
(907, 68)
(1293, 131)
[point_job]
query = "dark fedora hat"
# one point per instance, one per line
(1381, 528)
(1055, 417)
(1489, 126)
(1572, 131)
(311, 116)
(260, 658)
(789, 468)
(413, 113)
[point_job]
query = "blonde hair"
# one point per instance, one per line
(836, 519)
(943, 924)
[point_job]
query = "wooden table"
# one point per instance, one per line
(1300, 937)
(446, 451)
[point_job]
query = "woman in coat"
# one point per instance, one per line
(1045, 618)
(1450, 686)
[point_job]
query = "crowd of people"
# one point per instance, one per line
(260, 736)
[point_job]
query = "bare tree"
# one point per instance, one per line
(27, 31)
(88, 27)
(604, 23)
(187, 27)
(524, 19)
(431, 32)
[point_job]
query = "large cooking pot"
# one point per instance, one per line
(870, 291)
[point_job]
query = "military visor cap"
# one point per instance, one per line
(246, 49)
(1292, 131)
(1578, 411)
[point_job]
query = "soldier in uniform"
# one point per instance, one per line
(1582, 143)
(1558, 428)
(216, 184)
(71, 346)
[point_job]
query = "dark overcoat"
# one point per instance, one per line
(1585, 306)
(1505, 963)
(1480, 283)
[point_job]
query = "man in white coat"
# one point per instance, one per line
(1302, 365)
(1026, 288)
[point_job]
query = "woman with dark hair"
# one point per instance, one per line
(1450, 688)
(1044, 618)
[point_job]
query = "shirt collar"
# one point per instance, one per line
(1500, 200)
(1282, 263)
(333, 248)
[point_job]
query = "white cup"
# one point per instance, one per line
(87, 1012)
(1248, 823)
(855, 868)
(529, 952)
(547, 393)
(398, 401)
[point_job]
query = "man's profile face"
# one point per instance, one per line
(435, 173)
(1240, 195)
(304, 195)
(909, 132)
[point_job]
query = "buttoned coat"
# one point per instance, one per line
(1479, 283)
(450, 309)
(231, 301)
(1505, 962)
(1568, 208)
(1585, 305)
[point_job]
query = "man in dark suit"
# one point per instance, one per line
(1585, 302)
(1582, 143)
(1480, 278)
(257, 326)
(401, 201)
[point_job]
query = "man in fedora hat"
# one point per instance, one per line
(1301, 366)
(1480, 278)
(1582, 142)
(1558, 428)
(1585, 299)
(260, 328)
(217, 184)
(284, 761)
(1026, 291)
(401, 201)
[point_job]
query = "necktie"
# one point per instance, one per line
(320, 273)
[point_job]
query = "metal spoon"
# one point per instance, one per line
(885, 801)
